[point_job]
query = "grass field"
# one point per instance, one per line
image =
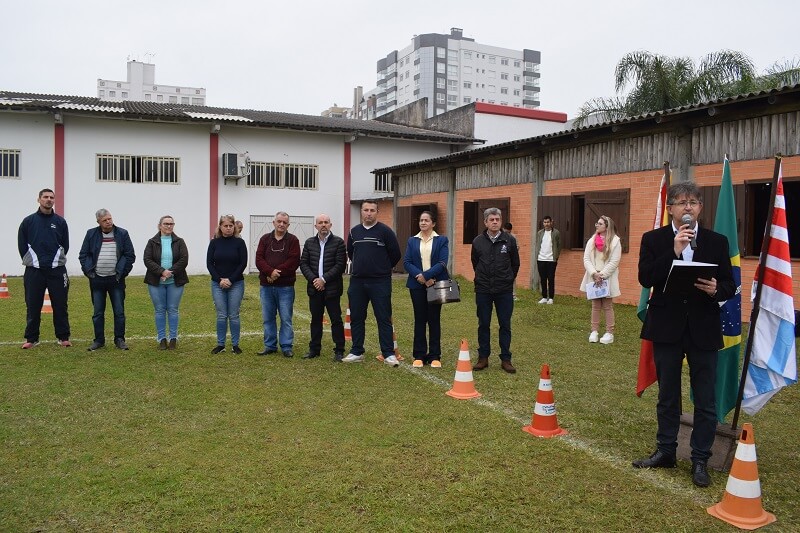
(150, 440)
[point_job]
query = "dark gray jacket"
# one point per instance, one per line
(496, 264)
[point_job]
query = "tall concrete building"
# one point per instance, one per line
(453, 70)
(141, 86)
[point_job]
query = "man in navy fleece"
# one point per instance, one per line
(43, 242)
(373, 250)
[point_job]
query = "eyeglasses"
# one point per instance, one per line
(684, 203)
(167, 223)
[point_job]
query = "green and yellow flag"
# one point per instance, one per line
(728, 358)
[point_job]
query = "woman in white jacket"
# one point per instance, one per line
(601, 261)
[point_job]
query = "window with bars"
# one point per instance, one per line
(383, 182)
(138, 169)
(282, 175)
(9, 163)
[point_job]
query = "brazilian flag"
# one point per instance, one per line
(728, 358)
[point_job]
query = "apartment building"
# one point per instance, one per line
(451, 71)
(141, 86)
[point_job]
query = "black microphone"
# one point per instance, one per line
(687, 219)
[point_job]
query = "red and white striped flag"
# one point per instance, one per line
(773, 362)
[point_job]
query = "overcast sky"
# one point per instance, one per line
(304, 56)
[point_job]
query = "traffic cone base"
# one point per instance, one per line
(545, 421)
(741, 503)
(463, 385)
(4, 288)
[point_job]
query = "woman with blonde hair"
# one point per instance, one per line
(601, 261)
(226, 260)
(166, 258)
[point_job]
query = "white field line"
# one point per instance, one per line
(618, 463)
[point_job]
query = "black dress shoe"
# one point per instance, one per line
(700, 475)
(659, 459)
(95, 346)
(267, 351)
(482, 363)
(338, 356)
(120, 344)
(288, 353)
(310, 355)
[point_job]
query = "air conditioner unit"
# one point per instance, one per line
(235, 166)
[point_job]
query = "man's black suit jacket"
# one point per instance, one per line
(669, 315)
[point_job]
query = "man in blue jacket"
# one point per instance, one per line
(43, 242)
(106, 258)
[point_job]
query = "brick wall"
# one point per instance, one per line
(521, 209)
(643, 195)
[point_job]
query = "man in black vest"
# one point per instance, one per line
(684, 321)
(322, 263)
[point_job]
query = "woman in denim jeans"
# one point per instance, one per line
(226, 261)
(166, 258)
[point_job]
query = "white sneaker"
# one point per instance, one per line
(550, 301)
(353, 358)
(543, 301)
(391, 361)
(593, 336)
(607, 338)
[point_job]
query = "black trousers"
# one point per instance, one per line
(56, 281)
(547, 277)
(317, 304)
(703, 377)
(427, 319)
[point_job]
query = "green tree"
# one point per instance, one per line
(661, 82)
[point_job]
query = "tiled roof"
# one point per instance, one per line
(791, 92)
(221, 115)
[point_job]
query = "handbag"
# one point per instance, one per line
(446, 291)
(597, 290)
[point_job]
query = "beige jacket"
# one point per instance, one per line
(593, 262)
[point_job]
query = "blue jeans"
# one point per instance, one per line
(227, 303)
(504, 303)
(166, 299)
(361, 292)
(277, 301)
(99, 287)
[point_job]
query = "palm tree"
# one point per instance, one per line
(661, 82)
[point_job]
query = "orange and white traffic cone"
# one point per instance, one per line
(348, 334)
(741, 503)
(399, 357)
(396, 347)
(463, 385)
(4, 288)
(545, 422)
(47, 307)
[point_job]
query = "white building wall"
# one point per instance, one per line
(368, 154)
(33, 135)
(499, 128)
(253, 205)
(137, 206)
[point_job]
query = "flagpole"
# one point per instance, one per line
(762, 259)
